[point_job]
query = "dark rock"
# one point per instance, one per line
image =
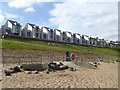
(11, 68)
(17, 69)
(52, 66)
(95, 62)
(63, 67)
(7, 73)
(36, 72)
(72, 69)
(60, 64)
(95, 65)
(28, 72)
(47, 72)
(21, 67)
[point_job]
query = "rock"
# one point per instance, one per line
(11, 68)
(28, 72)
(7, 73)
(52, 66)
(17, 69)
(72, 69)
(35, 72)
(95, 65)
(47, 72)
(60, 64)
(34, 67)
(63, 67)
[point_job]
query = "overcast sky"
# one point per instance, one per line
(96, 18)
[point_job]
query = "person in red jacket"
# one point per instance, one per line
(72, 56)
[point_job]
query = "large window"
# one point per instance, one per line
(45, 36)
(28, 34)
(36, 35)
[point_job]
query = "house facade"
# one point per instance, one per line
(67, 37)
(57, 35)
(77, 39)
(93, 41)
(11, 27)
(45, 33)
(114, 44)
(85, 40)
(31, 30)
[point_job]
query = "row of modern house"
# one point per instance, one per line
(46, 33)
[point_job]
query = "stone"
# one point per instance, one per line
(63, 67)
(47, 72)
(17, 69)
(28, 72)
(95, 65)
(34, 67)
(72, 69)
(36, 72)
(7, 73)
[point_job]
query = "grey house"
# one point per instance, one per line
(77, 39)
(11, 27)
(57, 35)
(31, 30)
(47, 33)
(67, 37)
(93, 41)
(85, 40)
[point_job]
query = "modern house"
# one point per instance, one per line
(67, 37)
(102, 43)
(31, 30)
(77, 39)
(47, 33)
(11, 27)
(85, 40)
(57, 35)
(93, 41)
(114, 44)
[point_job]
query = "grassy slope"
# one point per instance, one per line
(21, 44)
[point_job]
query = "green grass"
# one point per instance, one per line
(21, 44)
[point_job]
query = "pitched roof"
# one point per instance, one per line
(33, 25)
(13, 22)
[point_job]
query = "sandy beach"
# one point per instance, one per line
(105, 76)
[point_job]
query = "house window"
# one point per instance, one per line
(29, 34)
(51, 36)
(68, 39)
(63, 39)
(57, 37)
(74, 35)
(36, 35)
(37, 30)
(77, 41)
(44, 36)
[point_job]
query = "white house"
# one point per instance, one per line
(31, 30)
(77, 39)
(57, 35)
(85, 40)
(67, 37)
(114, 44)
(47, 33)
(11, 27)
(94, 41)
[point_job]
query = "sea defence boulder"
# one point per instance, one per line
(34, 67)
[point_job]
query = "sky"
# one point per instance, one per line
(95, 18)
